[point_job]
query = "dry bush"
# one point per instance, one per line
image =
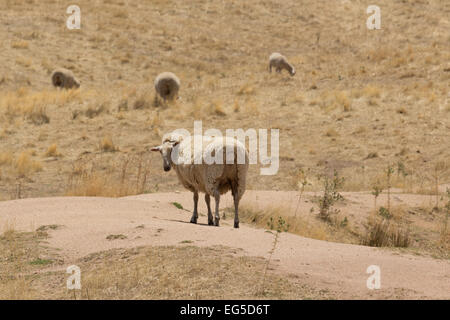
(25, 166)
(384, 233)
(20, 166)
(262, 217)
(145, 101)
(6, 158)
(52, 151)
(37, 115)
(95, 110)
(343, 100)
(217, 108)
(246, 89)
(107, 145)
(19, 44)
(372, 91)
(86, 180)
(32, 106)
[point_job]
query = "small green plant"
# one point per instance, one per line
(389, 172)
(282, 226)
(40, 261)
(376, 191)
(330, 196)
(302, 183)
(177, 205)
(384, 213)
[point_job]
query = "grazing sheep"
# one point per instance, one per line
(212, 179)
(167, 85)
(279, 62)
(65, 79)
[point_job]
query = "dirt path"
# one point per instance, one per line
(153, 220)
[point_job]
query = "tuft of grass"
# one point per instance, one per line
(25, 166)
(89, 181)
(94, 111)
(116, 237)
(40, 261)
(267, 217)
(177, 205)
(52, 151)
(19, 44)
(107, 145)
(342, 99)
(332, 133)
(383, 233)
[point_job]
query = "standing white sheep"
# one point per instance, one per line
(279, 62)
(167, 85)
(209, 177)
(64, 79)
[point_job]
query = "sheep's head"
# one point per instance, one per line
(169, 142)
(292, 72)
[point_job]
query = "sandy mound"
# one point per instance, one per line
(153, 220)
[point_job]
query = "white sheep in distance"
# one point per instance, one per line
(64, 79)
(167, 85)
(279, 62)
(208, 177)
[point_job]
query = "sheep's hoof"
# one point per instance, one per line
(236, 224)
(216, 222)
(194, 220)
(210, 222)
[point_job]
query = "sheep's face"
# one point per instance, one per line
(292, 71)
(166, 152)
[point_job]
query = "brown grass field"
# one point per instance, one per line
(362, 101)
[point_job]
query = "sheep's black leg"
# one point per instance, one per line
(217, 216)
(195, 213)
(208, 204)
(236, 206)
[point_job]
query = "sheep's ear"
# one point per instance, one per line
(158, 148)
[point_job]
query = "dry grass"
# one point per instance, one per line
(140, 273)
(384, 233)
(357, 102)
(21, 165)
(86, 179)
(21, 255)
(268, 217)
(365, 94)
(52, 151)
(107, 145)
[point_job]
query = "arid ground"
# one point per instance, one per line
(364, 148)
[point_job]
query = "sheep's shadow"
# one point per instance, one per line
(187, 222)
